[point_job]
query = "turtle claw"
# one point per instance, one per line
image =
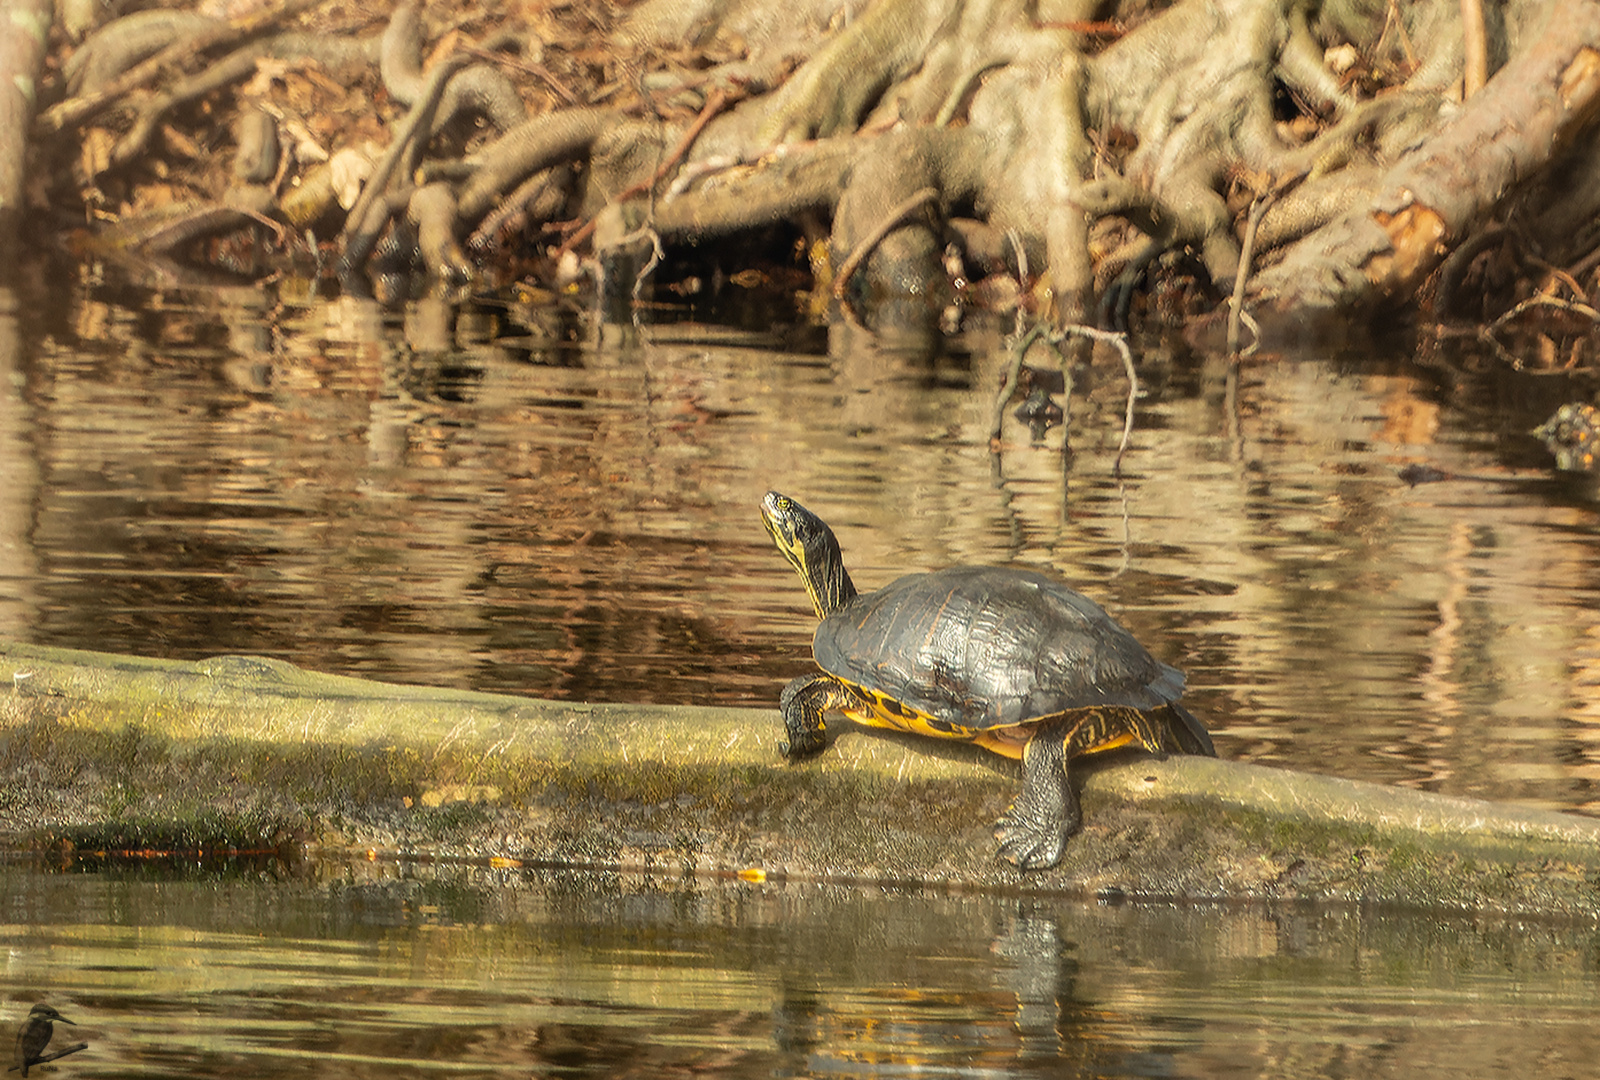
(802, 744)
(1028, 843)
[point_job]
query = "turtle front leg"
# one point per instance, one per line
(803, 702)
(1033, 832)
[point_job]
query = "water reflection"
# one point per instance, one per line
(481, 497)
(392, 970)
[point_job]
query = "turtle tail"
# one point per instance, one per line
(1189, 733)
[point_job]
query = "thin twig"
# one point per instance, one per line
(1560, 275)
(1395, 21)
(1545, 300)
(718, 100)
(715, 103)
(1022, 276)
(230, 69)
(1040, 333)
(1585, 264)
(1120, 341)
(1133, 393)
(891, 221)
(73, 1049)
(1486, 336)
(657, 254)
(1247, 249)
(1013, 371)
(1113, 28)
(1255, 334)
(510, 207)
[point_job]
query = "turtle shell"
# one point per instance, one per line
(982, 647)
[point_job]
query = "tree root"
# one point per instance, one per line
(882, 121)
(185, 49)
(231, 69)
(714, 105)
(431, 210)
(1435, 195)
(542, 141)
(137, 37)
(480, 88)
(891, 221)
(22, 49)
(364, 223)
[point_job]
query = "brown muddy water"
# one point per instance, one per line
(412, 972)
(485, 496)
(377, 971)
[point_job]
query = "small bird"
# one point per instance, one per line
(34, 1035)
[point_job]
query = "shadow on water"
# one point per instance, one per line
(383, 970)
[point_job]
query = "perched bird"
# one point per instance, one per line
(34, 1035)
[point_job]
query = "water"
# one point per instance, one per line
(386, 970)
(482, 497)
(479, 497)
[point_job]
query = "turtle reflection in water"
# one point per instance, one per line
(1004, 658)
(1573, 436)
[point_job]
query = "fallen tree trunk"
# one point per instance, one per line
(111, 752)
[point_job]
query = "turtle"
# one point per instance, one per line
(1003, 657)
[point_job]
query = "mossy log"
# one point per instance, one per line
(108, 752)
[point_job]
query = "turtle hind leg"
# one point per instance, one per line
(1033, 832)
(803, 702)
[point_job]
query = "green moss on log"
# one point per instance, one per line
(110, 752)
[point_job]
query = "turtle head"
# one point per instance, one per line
(810, 546)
